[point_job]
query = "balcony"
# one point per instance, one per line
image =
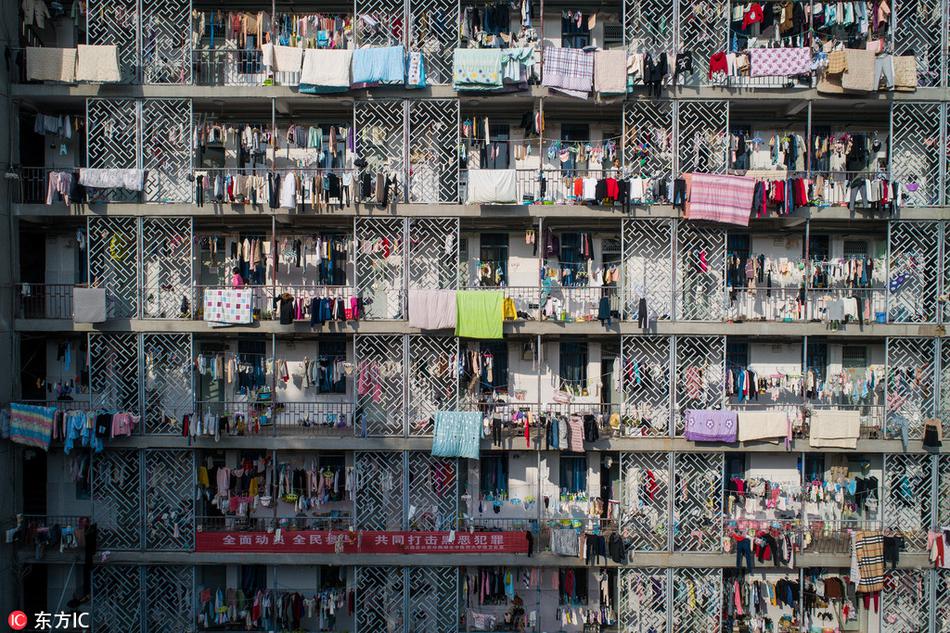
(281, 419)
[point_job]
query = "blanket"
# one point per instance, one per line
(287, 59)
(233, 306)
(610, 72)
(492, 185)
(325, 71)
(834, 428)
(869, 551)
(477, 69)
(99, 64)
(710, 425)
(131, 179)
(457, 434)
(780, 62)
(720, 198)
(860, 72)
(379, 66)
(51, 64)
(31, 425)
(762, 425)
(568, 70)
(431, 309)
(479, 314)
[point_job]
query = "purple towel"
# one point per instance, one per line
(707, 425)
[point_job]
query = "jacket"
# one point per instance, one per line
(35, 12)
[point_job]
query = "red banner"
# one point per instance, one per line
(364, 542)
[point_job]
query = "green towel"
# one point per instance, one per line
(479, 313)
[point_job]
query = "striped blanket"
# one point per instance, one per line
(869, 550)
(720, 198)
(31, 425)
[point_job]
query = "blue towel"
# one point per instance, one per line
(379, 65)
(457, 434)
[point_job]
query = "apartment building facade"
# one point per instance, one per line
(269, 464)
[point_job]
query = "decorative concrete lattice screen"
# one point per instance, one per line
(433, 599)
(116, 499)
(380, 136)
(697, 600)
(908, 599)
(645, 499)
(169, 499)
(169, 598)
(166, 44)
(908, 497)
(702, 127)
(700, 272)
(114, 372)
(113, 254)
(644, 599)
(648, 135)
(434, 252)
(911, 384)
(433, 150)
(697, 502)
(700, 374)
(381, 400)
(166, 149)
(433, 492)
(168, 381)
(647, 251)
(915, 151)
(116, 22)
(117, 598)
(432, 380)
(380, 599)
(167, 267)
(913, 269)
(645, 382)
(918, 33)
(381, 266)
(380, 491)
(406, 599)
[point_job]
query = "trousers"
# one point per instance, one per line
(496, 431)
(200, 190)
(884, 65)
(744, 550)
(642, 313)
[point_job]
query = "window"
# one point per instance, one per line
(737, 359)
(575, 32)
(613, 36)
(814, 467)
(817, 358)
(854, 357)
(573, 134)
(252, 354)
(332, 266)
(494, 475)
(855, 248)
(573, 365)
(493, 259)
(737, 245)
(331, 378)
(496, 153)
(494, 366)
(573, 586)
(330, 160)
(818, 248)
(573, 473)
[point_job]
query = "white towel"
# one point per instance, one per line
(762, 425)
(610, 72)
(51, 64)
(327, 68)
(288, 58)
(131, 179)
(431, 309)
(834, 428)
(99, 64)
(492, 185)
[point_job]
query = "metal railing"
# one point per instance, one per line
(44, 301)
(268, 524)
(48, 530)
(283, 419)
(249, 185)
(526, 299)
(551, 186)
(578, 304)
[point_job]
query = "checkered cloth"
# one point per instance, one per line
(780, 62)
(720, 198)
(869, 550)
(228, 305)
(837, 62)
(568, 70)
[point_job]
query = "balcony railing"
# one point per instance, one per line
(44, 301)
(62, 531)
(283, 419)
(268, 524)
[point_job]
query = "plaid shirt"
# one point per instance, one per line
(568, 69)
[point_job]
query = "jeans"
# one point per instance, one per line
(744, 550)
(496, 432)
(642, 313)
(898, 423)
(199, 190)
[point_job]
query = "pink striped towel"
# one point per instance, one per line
(720, 198)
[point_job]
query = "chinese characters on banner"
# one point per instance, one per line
(364, 542)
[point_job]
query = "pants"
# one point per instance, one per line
(744, 550)
(344, 195)
(877, 601)
(679, 193)
(199, 190)
(858, 188)
(496, 431)
(892, 551)
(642, 313)
(884, 65)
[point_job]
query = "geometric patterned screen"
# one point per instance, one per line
(380, 266)
(697, 502)
(116, 22)
(648, 134)
(166, 267)
(381, 392)
(166, 45)
(915, 155)
(648, 267)
(433, 380)
(434, 252)
(644, 595)
(700, 273)
(907, 497)
(700, 374)
(697, 600)
(380, 486)
(168, 383)
(918, 34)
(380, 135)
(116, 499)
(433, 30)
(645, 499)
(113, 263)
(911, 384)
(433, 492)
(166, 149)
(169, 597)
(169, 499)
(914, 268)
(433, 599)
(380, 599)
(645, 380)
(701, 132)
(907, 599)
(383, 595)
(114, 371)
(117, 598)
(433, 142)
